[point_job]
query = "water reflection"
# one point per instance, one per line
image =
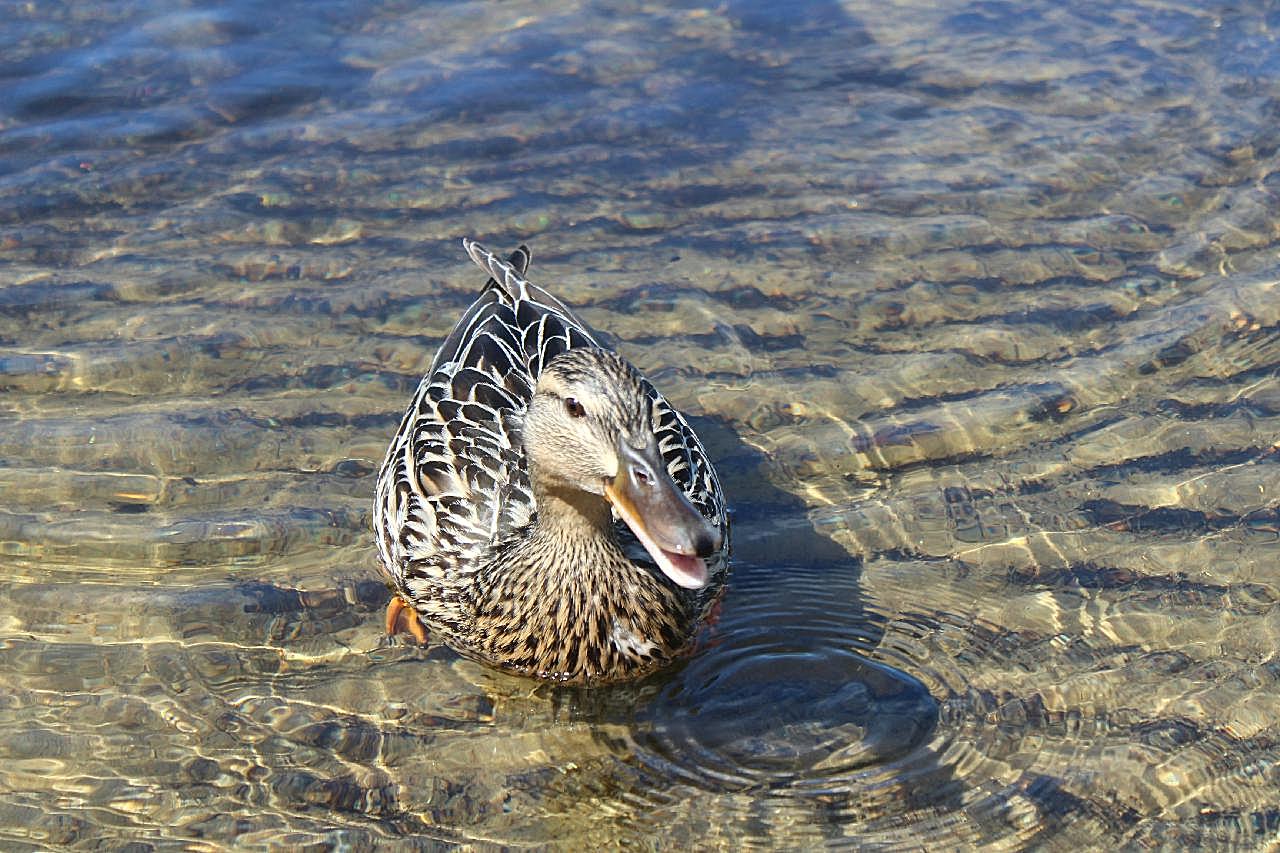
(975, 306)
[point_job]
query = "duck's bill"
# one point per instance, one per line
(686, 570)
(671, 530)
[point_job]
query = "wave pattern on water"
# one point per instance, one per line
(975, 306)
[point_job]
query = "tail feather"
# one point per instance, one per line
(507, 277)
(508, 274)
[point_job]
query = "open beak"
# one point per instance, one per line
(674, 533)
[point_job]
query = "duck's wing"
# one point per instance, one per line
(558, 329)
(689, 467)
(455, 479)
(687, 461)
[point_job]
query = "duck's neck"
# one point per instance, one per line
(569, 551)
(570, 520)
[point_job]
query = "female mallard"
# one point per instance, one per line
(542, 507)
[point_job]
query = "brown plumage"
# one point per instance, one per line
(542, 507)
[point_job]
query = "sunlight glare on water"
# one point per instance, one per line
(974, 305)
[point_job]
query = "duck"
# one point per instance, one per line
(543, 508)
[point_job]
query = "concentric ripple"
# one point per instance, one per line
(864, 727)
(785, 696)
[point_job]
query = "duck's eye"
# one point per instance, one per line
(574, 408)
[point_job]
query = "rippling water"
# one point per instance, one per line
(974, 303)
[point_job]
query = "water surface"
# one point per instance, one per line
(974, 303)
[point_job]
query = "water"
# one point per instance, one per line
(975, 305)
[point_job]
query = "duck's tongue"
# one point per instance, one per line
(686, 570)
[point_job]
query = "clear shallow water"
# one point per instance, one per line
(975, 305)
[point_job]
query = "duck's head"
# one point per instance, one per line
(589, 428)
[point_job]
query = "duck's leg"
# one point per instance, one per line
(402, 617)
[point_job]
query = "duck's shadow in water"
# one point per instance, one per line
(781, 689)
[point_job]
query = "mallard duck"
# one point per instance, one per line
(542, 508)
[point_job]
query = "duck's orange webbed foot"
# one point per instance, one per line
(402, 617)
(712, 619)
(707, 637)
